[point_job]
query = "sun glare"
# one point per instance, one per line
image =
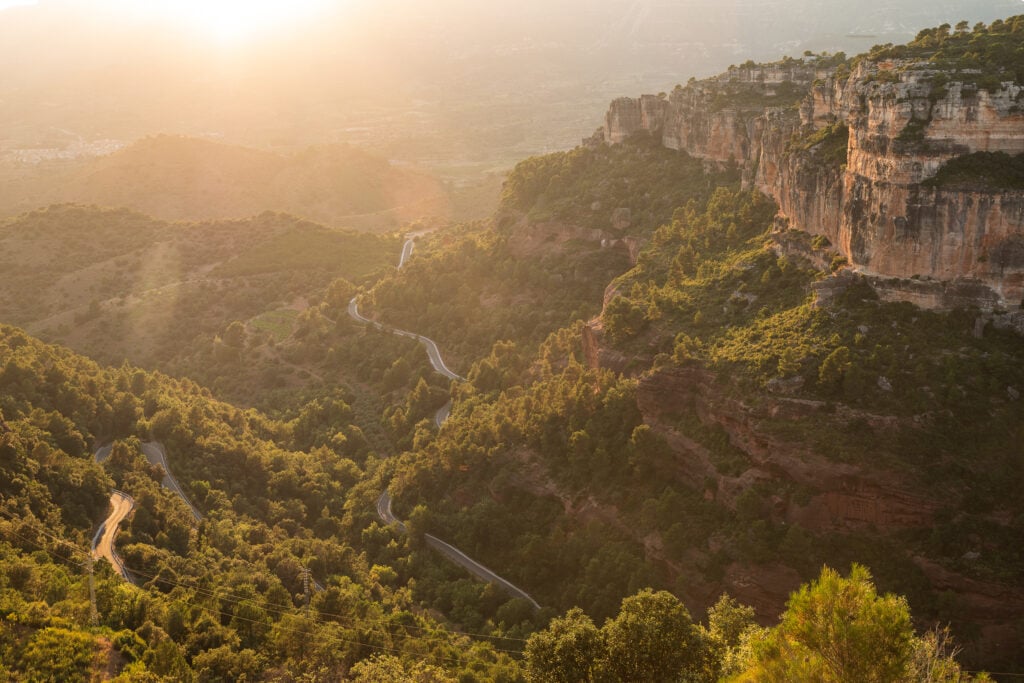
(230, 21)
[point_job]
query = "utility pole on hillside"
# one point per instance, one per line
(305, 587)
(94, 615)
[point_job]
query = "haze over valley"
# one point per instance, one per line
(617, 340)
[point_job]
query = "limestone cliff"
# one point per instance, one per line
(902, 121)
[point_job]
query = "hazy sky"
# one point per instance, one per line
(507, 71)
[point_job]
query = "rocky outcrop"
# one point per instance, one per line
(529, 238)
(839, 496)
(628, 116)
(815, 492)
(600, 355)
(873, 203)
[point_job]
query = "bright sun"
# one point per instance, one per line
(230, 21)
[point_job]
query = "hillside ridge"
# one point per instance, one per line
(855, 151)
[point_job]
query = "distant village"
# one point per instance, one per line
(76, 149)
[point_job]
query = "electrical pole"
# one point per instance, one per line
(94, 615)
(305, 587)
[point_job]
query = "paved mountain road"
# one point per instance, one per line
(155, 454)
(433, 353)
(385, 513)
(476, 569)
(103, 542)
(384, 500)
(406, 252)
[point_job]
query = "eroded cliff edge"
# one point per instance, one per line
(852, 152)
(911, 172)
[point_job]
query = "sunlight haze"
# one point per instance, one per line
(442, 82)
(228, 20)
(513, 341)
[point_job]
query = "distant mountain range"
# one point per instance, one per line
(441, 82)
(179, 178)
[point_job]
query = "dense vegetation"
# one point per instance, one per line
(224, 598)
(992, 171)
(551, 254)
(228, 303)
(586, 186)
(835, 629)
(536, 435)
(983, 55)
(826, 146)
(755, 96)
(745, 312)
(744, 88)
(217, 600)
(613, 468)
(485, 287)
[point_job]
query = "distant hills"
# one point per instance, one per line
(182, 178)
(450, 84)
(116, 284)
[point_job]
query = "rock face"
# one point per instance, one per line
(873, 203)
(818, 493)
(840, 497)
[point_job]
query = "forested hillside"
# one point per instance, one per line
(742, 412)
(568, 224)
(228, 597)
(704, 446)
(228, 303)
(219, 599)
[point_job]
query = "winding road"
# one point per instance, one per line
(476, 569)
(433, 353)
(406, 252)
(156, 455)
(384, 500)
(385, 513)
(103, 542)
(121, 504)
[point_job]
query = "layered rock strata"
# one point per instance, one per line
(877, 208)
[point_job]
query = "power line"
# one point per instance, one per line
(289, 609)
(234, 598)
(282, 610)
(45, 549)
(94, 615)
(58, 539)
(440, 636)
(328, 637)
(284, 628)
(346, 641)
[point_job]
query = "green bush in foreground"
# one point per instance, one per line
(835, 630)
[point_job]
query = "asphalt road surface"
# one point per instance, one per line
(384, 501)
(433, 353)
(156, 455)
(476, 569)
(103, 542)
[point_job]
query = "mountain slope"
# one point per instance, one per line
(745, 409)
(118, 285)
(220, 599)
